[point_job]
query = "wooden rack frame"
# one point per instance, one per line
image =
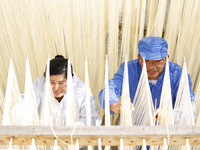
(154, 135)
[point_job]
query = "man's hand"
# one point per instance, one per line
(155, 114)
(162, 116)
(115, 107)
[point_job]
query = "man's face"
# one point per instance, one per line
(59, 85)
(154, 67)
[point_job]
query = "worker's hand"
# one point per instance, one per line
(155, 114)
(115, 107)
(162, 116)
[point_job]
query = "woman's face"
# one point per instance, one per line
(59, 85)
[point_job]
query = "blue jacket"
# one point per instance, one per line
(134, 72)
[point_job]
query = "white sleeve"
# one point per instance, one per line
(80, 93)
(95, 118)
(38, 88)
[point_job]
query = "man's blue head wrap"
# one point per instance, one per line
(153, 48)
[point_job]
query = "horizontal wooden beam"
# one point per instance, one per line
(154, 135)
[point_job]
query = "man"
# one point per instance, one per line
(154, 50)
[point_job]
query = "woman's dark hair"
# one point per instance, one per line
(58, 66)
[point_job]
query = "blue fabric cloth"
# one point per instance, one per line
(153, 48)
(134, 72)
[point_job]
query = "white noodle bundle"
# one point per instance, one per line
(165, 115)
(72, 114)
(142, 103)
(125, 111)
(48, 110)
(12, 97)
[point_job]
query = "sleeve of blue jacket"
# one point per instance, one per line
(115, 88)
(192, 96)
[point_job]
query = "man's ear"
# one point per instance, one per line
(138, 55)
(168, 55)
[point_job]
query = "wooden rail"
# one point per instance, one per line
(154, 135)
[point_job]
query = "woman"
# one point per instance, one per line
(58, 106)
(58, 81)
